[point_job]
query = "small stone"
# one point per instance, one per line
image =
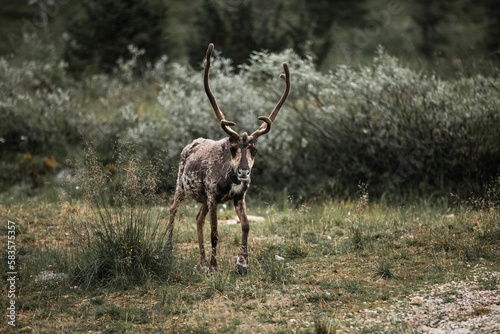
(48, 275)
(417, 300)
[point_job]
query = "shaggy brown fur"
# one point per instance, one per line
(213, 172)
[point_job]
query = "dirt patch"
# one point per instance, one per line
(470, 306)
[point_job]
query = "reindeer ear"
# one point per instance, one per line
(234, 140)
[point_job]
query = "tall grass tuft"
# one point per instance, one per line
(384, 269)
(325, 325)
(123, 239)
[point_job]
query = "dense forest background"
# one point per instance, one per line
(401, 97)
(445, 35)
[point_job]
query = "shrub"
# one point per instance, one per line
(124, 241)
(37, 118)
(35, 109)
(398, 130)
(386, 125)
(45, 113)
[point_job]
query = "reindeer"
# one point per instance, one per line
(214, 172)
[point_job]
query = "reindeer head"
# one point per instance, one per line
(243, 148)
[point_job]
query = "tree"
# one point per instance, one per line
(211, 28)
(428, 15)
(241, 41)
(492, 10)
(271, 30)
(230, 26)
(323, 14)
(102, 34)
(239, 27)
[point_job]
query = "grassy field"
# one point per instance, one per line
(319, 268)
(83, 161)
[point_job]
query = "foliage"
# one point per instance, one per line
(385, 125)
(32, 100)
(428, 15)
(325, 17)
(124, 241)
(100, 35)
(241, 27)
(491, 10)
(35, 100)
(455, 34)
(229, 25)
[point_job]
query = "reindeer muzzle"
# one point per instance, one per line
(243, 174)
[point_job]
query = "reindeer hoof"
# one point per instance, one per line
(206, 269)
(241, 265)
(242, 270)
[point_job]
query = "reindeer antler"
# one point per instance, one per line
(225, 124)
(266, 126)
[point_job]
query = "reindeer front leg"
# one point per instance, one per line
(242, 259)
(214, 235)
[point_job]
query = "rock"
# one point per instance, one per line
(236, 220)
(417, 300)
(49, 275)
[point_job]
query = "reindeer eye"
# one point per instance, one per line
(233, 151)
(253, 151)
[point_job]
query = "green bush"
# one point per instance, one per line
(385, 125)
(44, 113)
(124, 239)
(35, 111)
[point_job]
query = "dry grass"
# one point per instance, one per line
(339, 259)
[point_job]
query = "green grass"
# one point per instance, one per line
(339, 258)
